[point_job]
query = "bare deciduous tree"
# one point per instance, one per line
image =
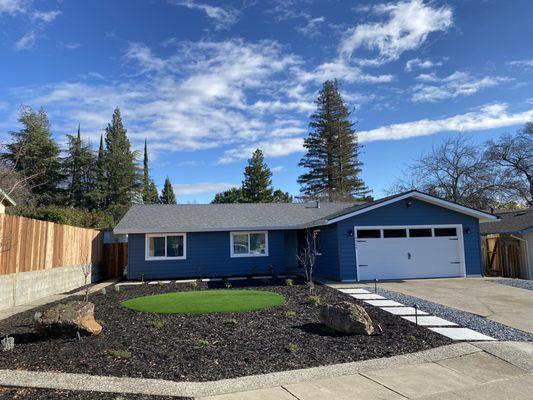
(307, 256)
(457, 171)
(514, 154)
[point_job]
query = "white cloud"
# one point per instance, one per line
(311, 27)
(417, 63)
(521, 63)
(223, 18)
(487, 117)
(27, 41)
(271, 148)
(341, 69)
(457, 84)
(13, 6)
(194, 189)
(142, 55)
(278, 168)
(45, 16)
(408, 26)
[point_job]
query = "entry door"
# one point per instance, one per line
(392, 252)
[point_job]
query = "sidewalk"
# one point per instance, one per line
(502, 370)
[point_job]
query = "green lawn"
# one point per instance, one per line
(205, 302)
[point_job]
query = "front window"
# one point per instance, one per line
(165, 246)
(249, 244)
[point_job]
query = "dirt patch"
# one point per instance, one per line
(210, 347)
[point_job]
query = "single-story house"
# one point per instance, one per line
(508, 244)
(5, 201)
(408, 235)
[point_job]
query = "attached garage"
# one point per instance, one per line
(400, 252)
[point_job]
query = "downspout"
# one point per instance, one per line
(527, 253)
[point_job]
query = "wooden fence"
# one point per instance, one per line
(503, 256)
(115, 259)
(30, 245)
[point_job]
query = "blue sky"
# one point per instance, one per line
(206, 82)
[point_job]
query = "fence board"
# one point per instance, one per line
(28, 245)
(115, 259)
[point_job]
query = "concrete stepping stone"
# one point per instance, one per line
(384, 303)
(186, 280)
(430, 320)
(462, 334)
(159, 282)
(129, 284)
(367, 296)
(403, 310)
(211, 279)
(354, 291)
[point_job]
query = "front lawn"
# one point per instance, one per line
(204, 347)
(205, 302)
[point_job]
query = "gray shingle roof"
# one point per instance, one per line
(224, 217)
(512, 221)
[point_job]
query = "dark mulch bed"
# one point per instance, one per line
(45, 394)
(256, 344)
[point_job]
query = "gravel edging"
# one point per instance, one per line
(517, 283)
(475, 322)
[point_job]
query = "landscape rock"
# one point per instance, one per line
(347, 318)
(67, 319)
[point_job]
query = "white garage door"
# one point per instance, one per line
(393, 252)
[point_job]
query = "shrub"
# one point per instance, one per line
(231, 321)
(288, 282)
(202, 343)
(117, 288)
(37, 316)
(290, 314)
(8, 343)
(120, 354)
(103, 291)
(194, 285)
(67, 216)
(314, 300)
(310, 285)
(292, 348)
(227, 284)
(161, 283)
(158, 324)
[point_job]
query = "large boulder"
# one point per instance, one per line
(67, 319)
(347, 318)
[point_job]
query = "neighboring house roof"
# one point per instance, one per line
(511, 221)
(259, 216)
(6, 200)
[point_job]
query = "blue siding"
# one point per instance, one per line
(327, 264)
(419, 213)
(208, 255)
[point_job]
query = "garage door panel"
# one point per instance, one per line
(401, 258)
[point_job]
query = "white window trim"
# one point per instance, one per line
(234, 255)
(147, 256)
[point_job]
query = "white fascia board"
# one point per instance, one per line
(482, 216)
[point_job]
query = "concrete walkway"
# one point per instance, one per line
(507, 305)
(50, 299)
(503, 370)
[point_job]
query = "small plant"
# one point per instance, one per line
(314, 300)
(311, 286)
(103, 291)
(227, 284)
(290, 314)
(231, 321)
(412, 338)
(100, 321)
(8, 343)
(292, 348)
(288, 282)
(157, 324)
(120, 354)
(194, 285)
(117, 288)
(120, 398)
(161, 283)
(202, 343)
(37, 316)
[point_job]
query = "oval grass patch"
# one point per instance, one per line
(205, 302)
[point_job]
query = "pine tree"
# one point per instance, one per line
(257, 184)
(121, 171)
(79, 171)
(150, 195)
(233, 195)
(167, 194)
(279, 196)
(98, 194)
(35, 153)
(332, 158)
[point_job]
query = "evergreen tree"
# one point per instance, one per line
(279, 196)
(79, 170)
(98, 195)
(150, 195)
(332, 158)
(167, 194)
(257, 184)
(35, 153)
(233, 195)
(121, 171)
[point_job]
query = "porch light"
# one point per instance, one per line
(349, 233)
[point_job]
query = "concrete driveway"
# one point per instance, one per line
(504, 304)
